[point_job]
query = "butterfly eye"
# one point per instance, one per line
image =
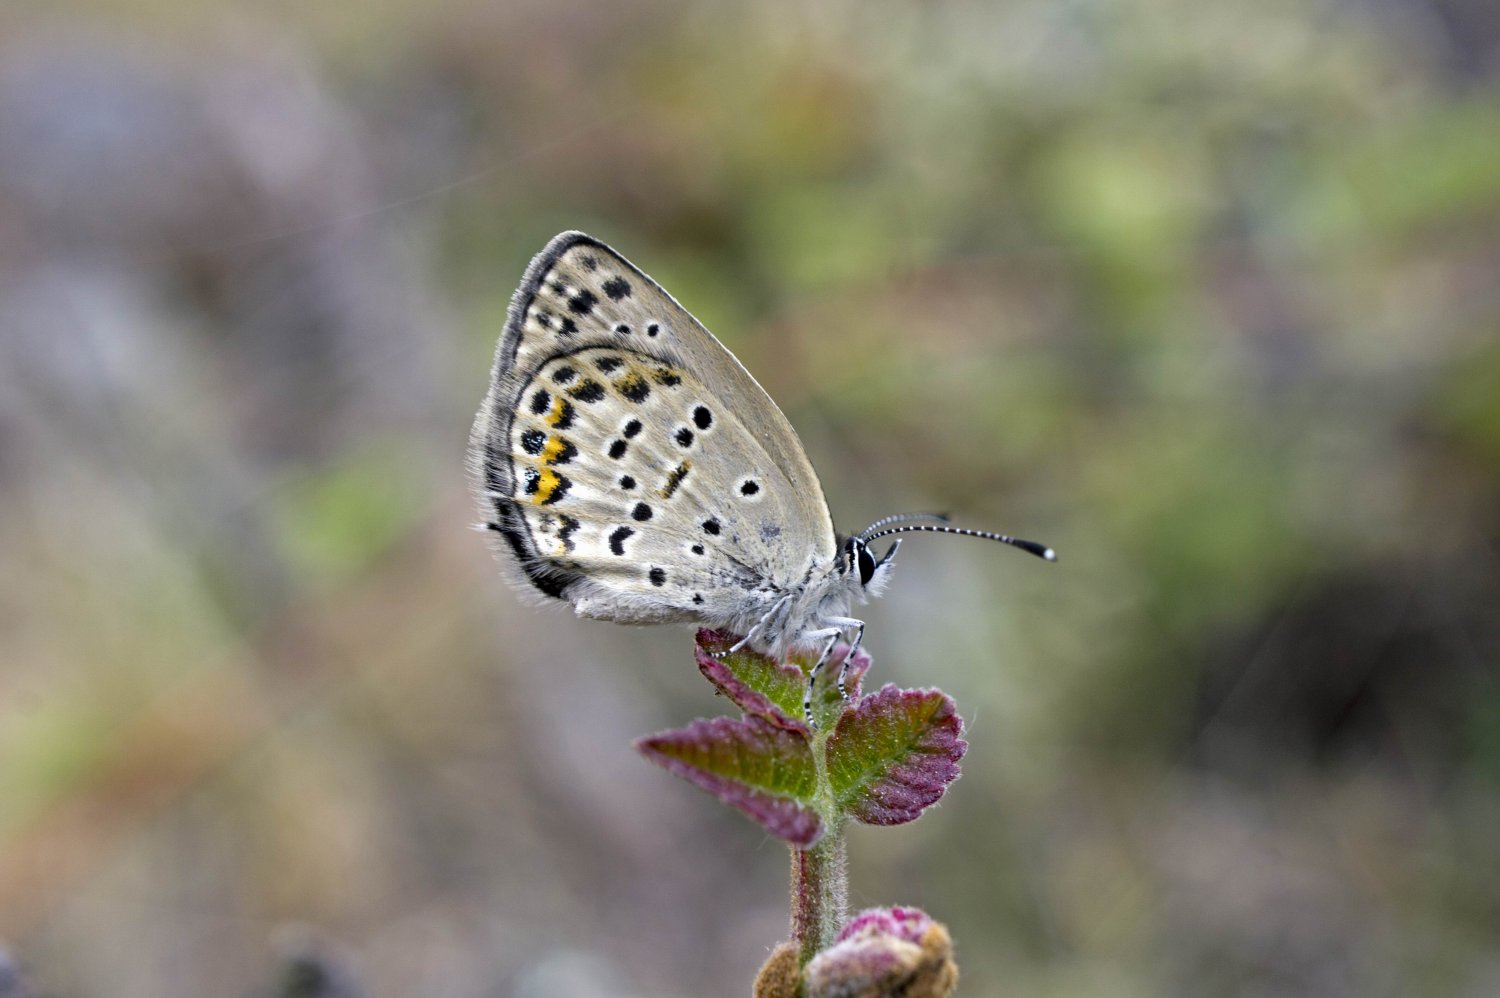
(866, 561)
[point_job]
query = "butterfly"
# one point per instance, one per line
(629, 465)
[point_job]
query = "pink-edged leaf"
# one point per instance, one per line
(894, 754)
(758, 685)
(750, 764)
(761, 686)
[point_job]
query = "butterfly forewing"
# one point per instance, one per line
(628, 461)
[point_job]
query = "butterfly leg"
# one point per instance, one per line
(832, 634)
(758, 625)
(859, 638)
(742, 642)
(843, 624)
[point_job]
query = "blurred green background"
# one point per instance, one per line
(1204, 294)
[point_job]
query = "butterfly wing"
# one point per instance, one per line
(625, 459)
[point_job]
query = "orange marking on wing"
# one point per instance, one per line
(546, 485)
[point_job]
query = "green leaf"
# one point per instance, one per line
(764, 770)
(763, 687)
(828, 703)
(758, 685)
(894, 754)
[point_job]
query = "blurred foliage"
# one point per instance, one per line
(1202, 294)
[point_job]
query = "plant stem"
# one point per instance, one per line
(820, 875)
(820, 893)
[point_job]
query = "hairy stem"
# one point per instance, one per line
(820, 894)
(820, 875)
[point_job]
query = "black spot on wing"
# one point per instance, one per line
(588, 391)
(674, 479)
(618, 448)
(702, 418)
(568, 327)
(749, 487)
(617, 540)
(658, 576)
(641, 513)
(540, 401)
(583, 302)
(559, 490)
(711, 527)
(564, 374)
(684, 437)
(632, 428)
(569, 528)
(616, 288)
(633, 387)
(627, 482)
(532, 441)
(607, 364)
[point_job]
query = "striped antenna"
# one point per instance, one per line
(1032, 547)
(886, 521)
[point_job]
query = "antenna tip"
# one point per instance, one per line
(1032, 547)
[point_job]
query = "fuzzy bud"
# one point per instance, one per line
(884, 952)
(779, 977)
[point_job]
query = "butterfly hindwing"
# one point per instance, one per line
(629, 462)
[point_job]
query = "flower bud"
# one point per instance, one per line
(884, 952)
(779, 977)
